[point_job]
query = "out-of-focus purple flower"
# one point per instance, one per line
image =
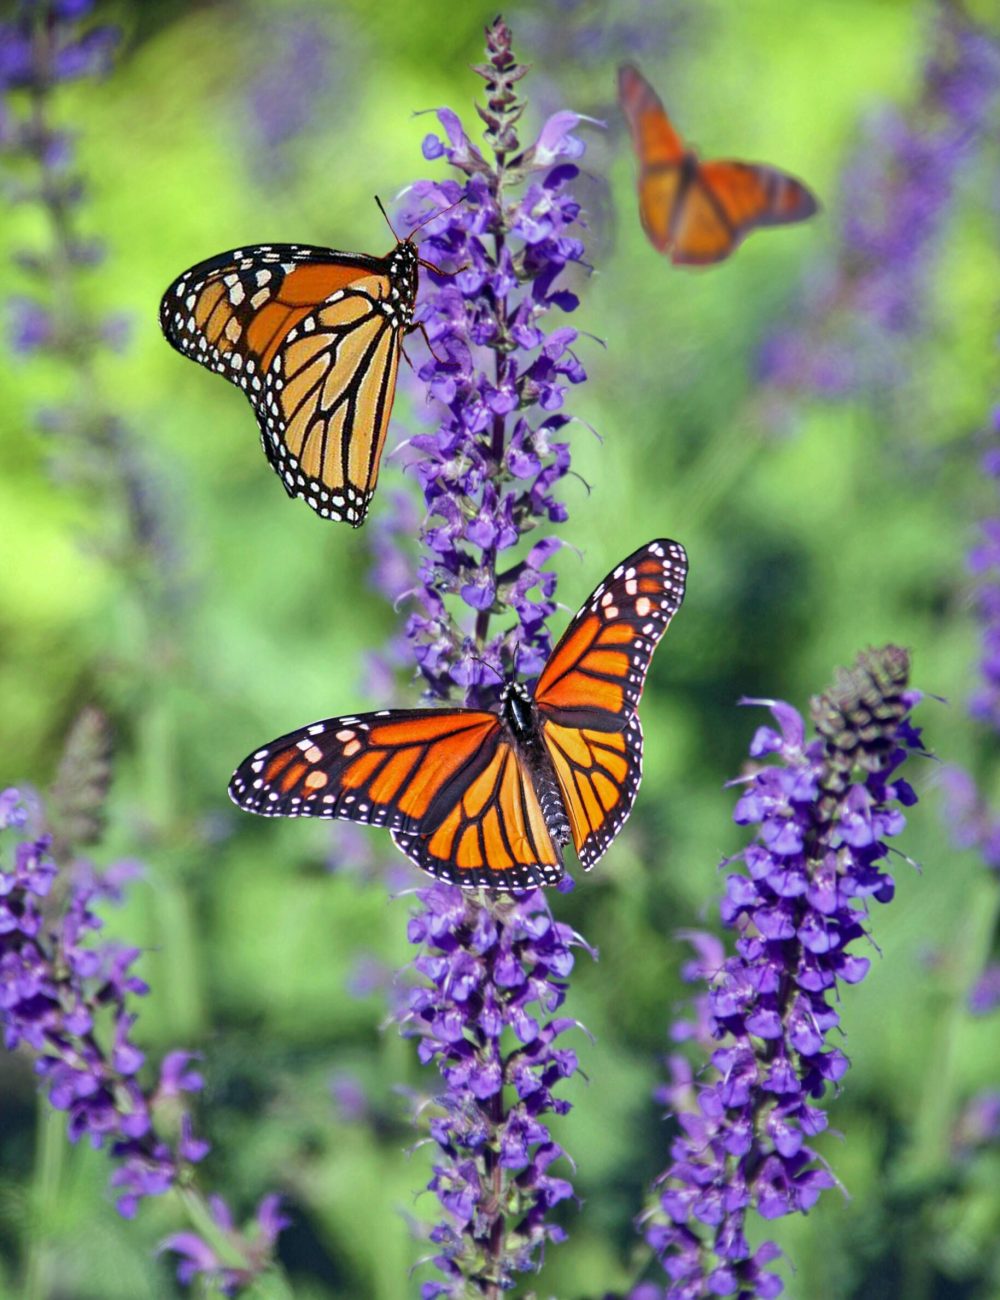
(979, 1124)
(349, 1098)
(974, 824)
(291, 88)
(44, 44)
(824, 811)
(227, 1257)
(896, 193)
(985, 995)
(493, 977)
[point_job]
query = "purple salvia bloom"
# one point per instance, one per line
(897, 191)
(489, 470)
(486, 968)
(823, 811)
(69, 1001)
(492, 970)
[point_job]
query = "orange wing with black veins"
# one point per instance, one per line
(588, 694)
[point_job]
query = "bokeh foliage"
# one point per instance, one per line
(845, 527)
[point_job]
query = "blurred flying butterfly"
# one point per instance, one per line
(489, 797)
(700, 211)
(313, 337)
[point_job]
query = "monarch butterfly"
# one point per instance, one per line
(481, 797)
(313, 338)
(700, 212)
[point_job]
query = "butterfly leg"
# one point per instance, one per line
(442, 361)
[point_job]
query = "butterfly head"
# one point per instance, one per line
(517, 709)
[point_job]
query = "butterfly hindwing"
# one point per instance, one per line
(496, 834)
(312, 336)
(588, 693)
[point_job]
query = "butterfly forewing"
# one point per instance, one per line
(390, 769)
(312, 336)
(655, 140)
(589, 691)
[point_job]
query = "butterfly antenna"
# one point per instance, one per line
(499, 676)
(385, 214)
(434, 215)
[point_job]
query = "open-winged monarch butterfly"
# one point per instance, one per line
(699, 212)
(313, 337)
(480, 797)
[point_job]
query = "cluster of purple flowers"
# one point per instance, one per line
(896, 195)
(489, 469)
(65, 997)
(491, 970)
(70, 1002)
(824, 811)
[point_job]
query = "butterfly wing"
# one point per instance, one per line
(446, 782)
(727, 200)
(588, 694)
(660, 151)
(303, 332)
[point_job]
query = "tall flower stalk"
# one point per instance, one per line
(491, 971)
(824, 810)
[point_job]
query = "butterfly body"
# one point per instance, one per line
(312, 336)
(699, 212)
(490, 796)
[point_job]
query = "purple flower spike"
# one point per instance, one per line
(490, 469)
(70, 1001)
(824, 810)
(488, 967)
(493, 970)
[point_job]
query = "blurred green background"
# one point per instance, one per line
(845, 527)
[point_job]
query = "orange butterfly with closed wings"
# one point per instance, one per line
(481, 797)
(699, 212)
(313, 338)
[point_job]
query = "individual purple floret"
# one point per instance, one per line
(226, 1257)
(897, 191)
(823, 810)
(493, 975)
